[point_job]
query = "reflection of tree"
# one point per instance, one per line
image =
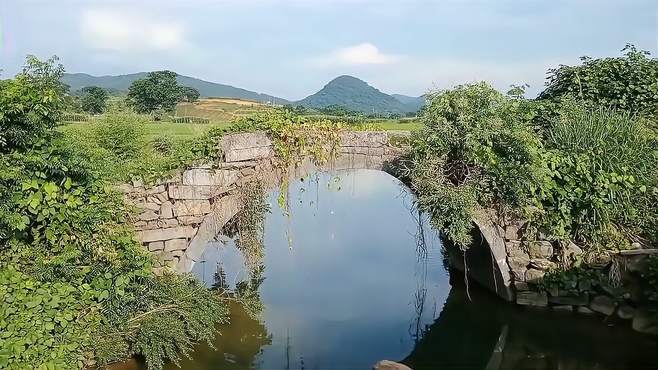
(236, 346)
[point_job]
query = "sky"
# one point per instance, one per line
(291, 49)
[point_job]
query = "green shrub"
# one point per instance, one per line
(163, 144)
(625, 83)
(121, 134)
(590, 177)
(477, 147)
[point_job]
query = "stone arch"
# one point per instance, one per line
(180, 216)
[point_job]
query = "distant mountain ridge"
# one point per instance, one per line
(77, 81)
(346, 91)
(355, 94)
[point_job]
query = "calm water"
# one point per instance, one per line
(354, 276)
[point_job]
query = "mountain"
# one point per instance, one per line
(355, 94)
(121, 83)
(412, 102)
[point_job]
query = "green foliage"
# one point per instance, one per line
(603, 167)
(628, 83)
(476, 146)
(30, 103)
(121, 134)
(43, 323)
(163, 144)
(72, 275)
(158, 91)
(93, 100)
(589, 177)
(189, 94)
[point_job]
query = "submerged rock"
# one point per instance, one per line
(390, 365)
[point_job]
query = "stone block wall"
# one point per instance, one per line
(530, 259)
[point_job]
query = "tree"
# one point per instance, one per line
(30, 103)
(189, 94)
(629, 82)
(93, 99)
(158, 91)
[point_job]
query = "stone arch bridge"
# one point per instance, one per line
(181, 215)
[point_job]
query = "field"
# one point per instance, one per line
(219, 110)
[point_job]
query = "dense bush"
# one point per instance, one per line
(628, 83)
(476, 147)
(72, 276)
(589, 176)
(121, 134)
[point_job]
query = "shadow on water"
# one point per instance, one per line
(487, 334)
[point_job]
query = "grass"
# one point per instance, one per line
(220, 109)
(394, 124)
(177, 131)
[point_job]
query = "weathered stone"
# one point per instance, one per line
(534, 276)
(645, 322)
(518, 274)
(125, 188)
(390, 365)
(194, 192)
(563, 308)
(146, 236)
(246, 147)
(190, 220)
(162, 197)
(191, 207)
(209, 177)
(542, 264)
(603, 304)
(625, 312)
(513, 230)
(636, 245)
(147, 205)
(521, 286)
(529, 298)
(574, 300)
(166, 210)
(518, 263)
(168, 222)
(155, 189)
(153, 199)
(247, 171)
(540, 249)
(584, 310)
(148, 216)
(137, 183)
(572, 250)
(139, 224)
(175, 245)
(155, 246)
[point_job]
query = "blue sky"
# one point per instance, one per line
(292, 48)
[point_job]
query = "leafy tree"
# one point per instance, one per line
(30, 103)
(629, 82)
(189, 94)
(93, 99)
(158, 91)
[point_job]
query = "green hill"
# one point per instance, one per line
(355, 94)
(121, 83)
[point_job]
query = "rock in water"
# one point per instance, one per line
(390, 365)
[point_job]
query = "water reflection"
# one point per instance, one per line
(365, 280)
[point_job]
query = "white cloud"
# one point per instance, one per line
(360, 54)
(129, 31)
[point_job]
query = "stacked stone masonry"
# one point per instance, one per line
(529, 259)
